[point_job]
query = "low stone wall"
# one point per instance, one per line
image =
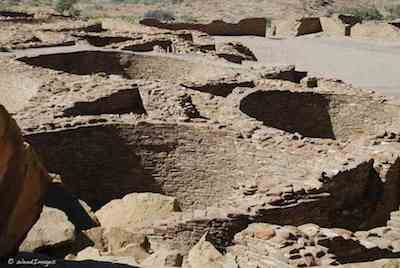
(105, 162)
(250, 26)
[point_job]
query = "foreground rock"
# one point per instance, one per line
(136, 210)
(51, 233)
(23, 183)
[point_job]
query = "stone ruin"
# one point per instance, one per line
(250, 26)
(171, 159)
(337, 25)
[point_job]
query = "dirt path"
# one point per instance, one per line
(361, 63)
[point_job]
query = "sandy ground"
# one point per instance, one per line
(365, 64)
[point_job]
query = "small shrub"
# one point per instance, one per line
(74, 12)
(39, 3)
(187, 18)
(130, 19)
(365, 13)
(393, 12)
(66, 6)
(160, 15)
(137, 2)
(269, 22)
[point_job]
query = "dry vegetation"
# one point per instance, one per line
(205, 10)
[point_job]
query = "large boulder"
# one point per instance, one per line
(23, 183)
(52, 232)
(136, 210)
